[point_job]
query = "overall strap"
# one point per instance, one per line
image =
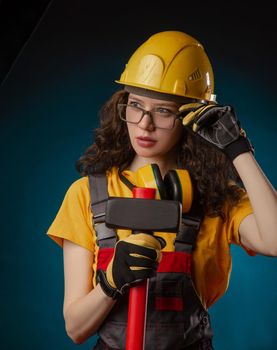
(187, 235)
(98, 186)
(190, 226)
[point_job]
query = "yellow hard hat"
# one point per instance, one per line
(171, 62)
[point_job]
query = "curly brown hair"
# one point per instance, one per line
(211, 171)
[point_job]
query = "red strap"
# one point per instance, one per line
(104, 257)
(171, 261)
(175, 262)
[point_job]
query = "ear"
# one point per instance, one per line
(179, 187)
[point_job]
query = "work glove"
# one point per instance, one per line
(135, 258)
(219, 126)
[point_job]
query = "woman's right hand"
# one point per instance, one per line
(135, 258)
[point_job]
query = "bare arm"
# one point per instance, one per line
(258, 231)
(84, 308)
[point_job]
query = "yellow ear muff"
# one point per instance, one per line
(176, 185)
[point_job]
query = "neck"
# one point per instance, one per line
(164, 164)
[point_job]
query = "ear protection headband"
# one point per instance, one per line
(176, 185)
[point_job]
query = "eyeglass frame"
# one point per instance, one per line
(177, 116)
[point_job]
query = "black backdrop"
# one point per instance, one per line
(59, 60)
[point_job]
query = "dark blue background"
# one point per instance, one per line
(49, 105)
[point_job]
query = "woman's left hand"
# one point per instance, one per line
(219, 126)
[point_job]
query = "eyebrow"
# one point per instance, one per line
(160, 103)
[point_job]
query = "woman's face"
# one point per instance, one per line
(147, 140)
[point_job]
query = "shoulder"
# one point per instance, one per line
(79, 189)
(235, 215)
(241, 206)
(79, 185)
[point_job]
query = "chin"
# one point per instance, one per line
(146, 153)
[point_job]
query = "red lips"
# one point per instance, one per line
(145, 142)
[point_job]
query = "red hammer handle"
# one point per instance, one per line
(138, 296)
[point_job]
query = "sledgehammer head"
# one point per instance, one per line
(144, 215)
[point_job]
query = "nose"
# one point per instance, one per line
(146, 122)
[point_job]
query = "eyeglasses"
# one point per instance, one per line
(161, 117)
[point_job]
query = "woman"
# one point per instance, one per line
(165, 115)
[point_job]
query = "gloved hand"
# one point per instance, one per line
(219, 126)
(135, 258)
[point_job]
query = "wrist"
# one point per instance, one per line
(241, 145)
(106, 287)
(243, 159)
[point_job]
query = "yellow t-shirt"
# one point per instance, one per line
(212, 263)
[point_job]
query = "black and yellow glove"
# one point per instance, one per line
(219, 126)
(135, 258)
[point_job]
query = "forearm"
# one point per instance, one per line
(84, 316)
(262, 196)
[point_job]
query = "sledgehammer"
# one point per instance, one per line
(145, 216)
